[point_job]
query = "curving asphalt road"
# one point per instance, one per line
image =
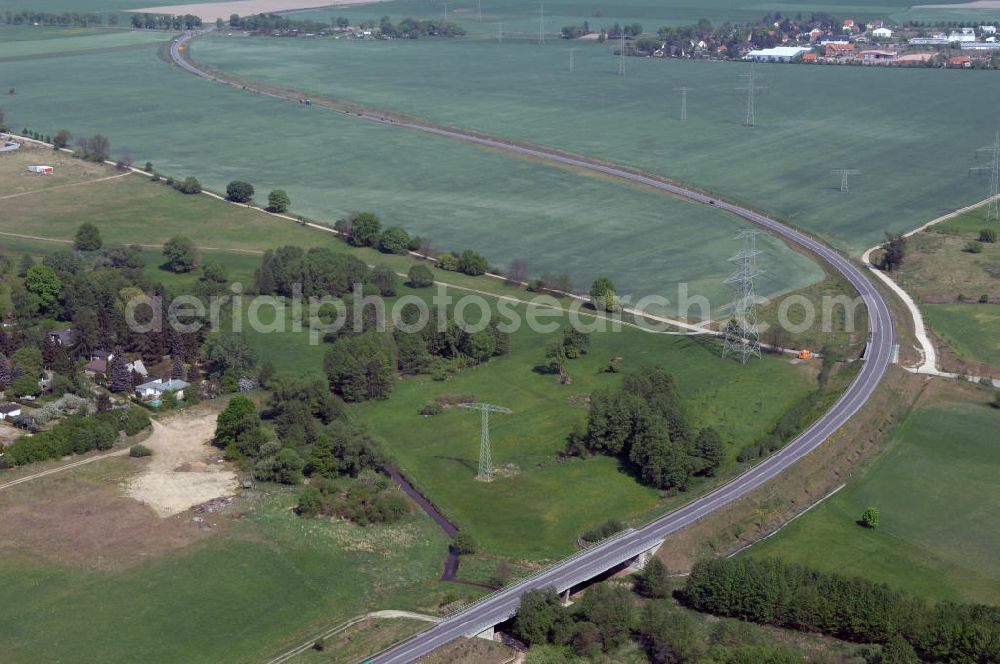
(503, 604)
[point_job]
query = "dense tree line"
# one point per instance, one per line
(267, 23)
(76, 434)
(65, 19)
(362, 362)
(778, 593)
(410, 28)
(645, 424)
(165, 22)
(318, 272)
(608, 617)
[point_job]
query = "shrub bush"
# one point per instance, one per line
(139, 450)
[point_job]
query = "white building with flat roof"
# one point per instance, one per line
(777, 54)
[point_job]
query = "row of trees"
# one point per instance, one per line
(76, 434)
(608, 617)
(65, 19)
(777, 593)
(410, 28)
(645, 424)
(165, 22)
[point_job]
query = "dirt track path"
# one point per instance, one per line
(67, 466)
(62, 186)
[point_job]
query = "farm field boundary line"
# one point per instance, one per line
(501, 605)
(61, 186)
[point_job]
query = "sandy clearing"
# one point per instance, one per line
(209, 11)
(180, 474)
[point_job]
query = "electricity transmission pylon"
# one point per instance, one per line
(485, 457)
(751, 90)
(844, 173)
(621, 55)
(684, 101)
(742, 336)
(541, 25)
(992, 211)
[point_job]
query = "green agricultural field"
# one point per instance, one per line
(936, 490)
(969, 329)
(899, 127)
(19, 42)
(250, 590)
(458, 195)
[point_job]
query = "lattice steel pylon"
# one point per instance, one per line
(845, 173)
(742, 336)
(485, 456)
(751, 90)
(993, 206)
(621, 55)
(684, 101)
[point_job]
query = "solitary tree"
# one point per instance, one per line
(177, 369)
(239, 191)
(654, 580)
(41, 281)
(62, 138)
(603, 295)
(121, 377)
(278, 201)
(189, 185)
(5, 375)
(420, 276)
(394, 240)
(88, 238)
(181, 254)
(869, 518)
(365, 228)
(895, 251)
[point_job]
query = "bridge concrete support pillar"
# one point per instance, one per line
(489, 634)
(565, 598)
(639, 562)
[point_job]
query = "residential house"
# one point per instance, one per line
(9, 410)
(849, 26)
(815, 34)
(960, 62)
(100, 361)
(155, 389)
(877, 56)
(64, 337)
(839, 50)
